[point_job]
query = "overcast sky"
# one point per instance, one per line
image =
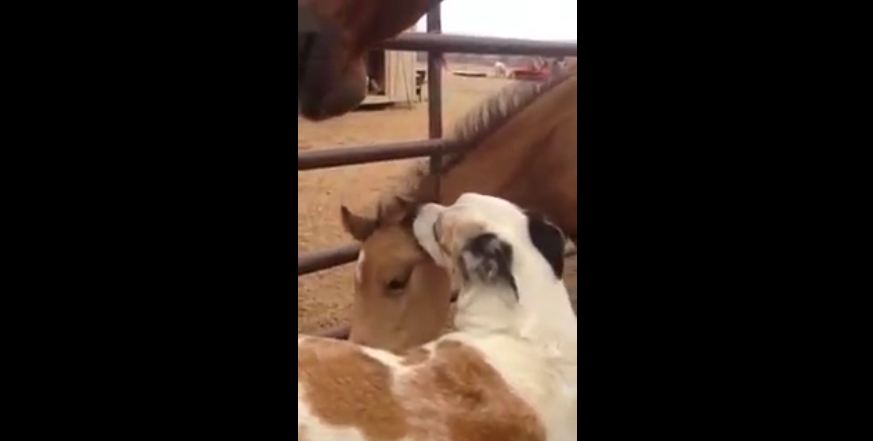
(534, 19)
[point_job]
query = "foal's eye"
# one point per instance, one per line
(399, 282)
(396, 284)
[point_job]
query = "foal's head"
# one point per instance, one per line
(401, 296)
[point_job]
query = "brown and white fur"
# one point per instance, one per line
(508, 373)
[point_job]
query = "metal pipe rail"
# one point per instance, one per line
(319, 260)
(340, 156)
(417, 41)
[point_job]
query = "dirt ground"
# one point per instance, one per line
(324, 297)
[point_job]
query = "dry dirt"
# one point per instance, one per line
(324, 297)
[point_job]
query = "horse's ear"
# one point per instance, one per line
(359, 227)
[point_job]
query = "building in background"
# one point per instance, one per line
(391, 78)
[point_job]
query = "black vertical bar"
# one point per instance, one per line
(434, 93)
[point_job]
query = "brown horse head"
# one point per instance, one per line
(401, 294)
(331, 73)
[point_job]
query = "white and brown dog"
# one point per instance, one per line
(508, 373)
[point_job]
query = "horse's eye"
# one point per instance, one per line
(399, 282)
(396, 284)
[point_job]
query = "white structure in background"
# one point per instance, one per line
(500, 70)
(391, 78)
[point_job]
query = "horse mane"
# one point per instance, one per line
(469, 132)
(491, 115)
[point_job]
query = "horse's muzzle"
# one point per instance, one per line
(330, 78)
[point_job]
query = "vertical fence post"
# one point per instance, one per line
(434, 94)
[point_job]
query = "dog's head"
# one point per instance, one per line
(483, 240)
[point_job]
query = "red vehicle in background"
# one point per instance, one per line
(529, 74)
(537, 70)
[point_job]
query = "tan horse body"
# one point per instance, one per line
(520, 145)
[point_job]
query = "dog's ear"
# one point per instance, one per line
(488, 259)
(549, 240)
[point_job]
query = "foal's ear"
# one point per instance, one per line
(399, 210)
(549, 240)
(359, 227)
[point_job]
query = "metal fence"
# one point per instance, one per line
(435, 44)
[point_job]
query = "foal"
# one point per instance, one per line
(519, 145)
(508, 373)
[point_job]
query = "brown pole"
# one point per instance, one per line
(434, 94)
(340, 156)
(448, 43)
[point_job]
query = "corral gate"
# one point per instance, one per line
(435, 44)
